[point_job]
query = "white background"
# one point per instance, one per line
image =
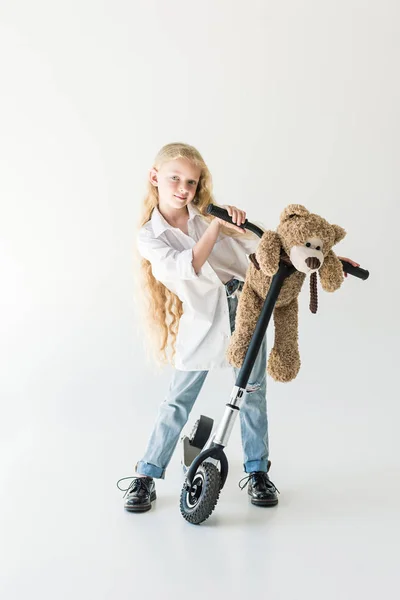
(287, 102)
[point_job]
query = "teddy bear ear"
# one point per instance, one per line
(340, 233)
(294, 210)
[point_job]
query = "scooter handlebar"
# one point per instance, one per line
(356, 271)
(221, 213)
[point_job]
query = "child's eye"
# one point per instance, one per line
(175, 177)
(192, 182)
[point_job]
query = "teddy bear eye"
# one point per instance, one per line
(318, 248)
(308, 245)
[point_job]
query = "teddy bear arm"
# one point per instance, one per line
(268, 252)
(331, 273)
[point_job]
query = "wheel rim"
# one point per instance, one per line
(194, 494)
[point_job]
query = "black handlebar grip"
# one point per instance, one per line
(221, 213)
(356, 271)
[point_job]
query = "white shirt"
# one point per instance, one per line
(204, 328)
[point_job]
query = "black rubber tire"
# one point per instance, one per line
(201, 432)
(197, 504)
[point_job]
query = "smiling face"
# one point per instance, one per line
(177, 182)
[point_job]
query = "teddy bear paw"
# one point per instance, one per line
(283, 367)
(235, 355)
(333, 283)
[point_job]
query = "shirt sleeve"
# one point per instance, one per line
(166, 263)
(249, 245)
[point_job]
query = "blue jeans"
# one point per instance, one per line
(182, 394)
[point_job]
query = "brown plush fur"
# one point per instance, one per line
(297, 226)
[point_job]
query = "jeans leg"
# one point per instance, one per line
(253, 417)
(172, 417)
(253, 411)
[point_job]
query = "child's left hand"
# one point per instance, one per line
(349, 261)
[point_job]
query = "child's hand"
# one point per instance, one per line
(238, 217)
(349, 261)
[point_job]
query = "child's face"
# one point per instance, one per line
(176, 181)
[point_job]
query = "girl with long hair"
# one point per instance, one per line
(193, 267)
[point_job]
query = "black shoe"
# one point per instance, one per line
(261, 490)
(139, 494)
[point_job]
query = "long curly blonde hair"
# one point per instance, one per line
(162, 308)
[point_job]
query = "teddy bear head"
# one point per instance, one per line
(307, 238)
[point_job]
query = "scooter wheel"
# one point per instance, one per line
(201, 432)
(198, 502)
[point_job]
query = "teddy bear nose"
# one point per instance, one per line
(313, 262)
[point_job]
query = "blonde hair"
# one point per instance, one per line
(163, 309)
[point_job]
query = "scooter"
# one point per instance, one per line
(204, 460)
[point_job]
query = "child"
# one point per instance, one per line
(194, 270)
(194, 267)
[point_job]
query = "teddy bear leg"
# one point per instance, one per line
(248, 311)
(284, 359)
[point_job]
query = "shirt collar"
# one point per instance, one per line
(160, 225)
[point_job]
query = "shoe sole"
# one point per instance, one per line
(264, 502)
(143, 507)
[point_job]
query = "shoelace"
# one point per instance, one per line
(261, 474)
(135, 485)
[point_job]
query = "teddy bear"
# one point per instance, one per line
(306, 240)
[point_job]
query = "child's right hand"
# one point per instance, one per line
(238, 217)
